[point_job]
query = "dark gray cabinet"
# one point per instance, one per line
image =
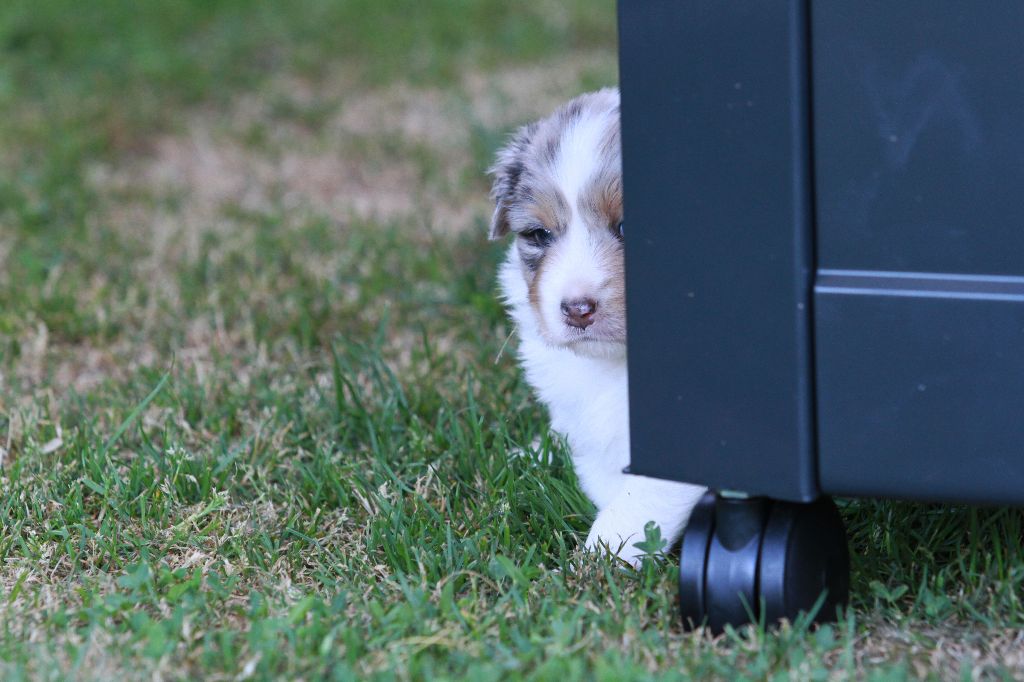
(831, 194)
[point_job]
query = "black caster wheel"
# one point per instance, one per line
(746, 559)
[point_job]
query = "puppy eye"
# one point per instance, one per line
(538, 236)
(622, 230)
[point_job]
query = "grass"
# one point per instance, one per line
(254, 415)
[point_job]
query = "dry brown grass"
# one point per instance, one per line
(352, 161)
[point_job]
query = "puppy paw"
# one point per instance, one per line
(616, 543)
(631, 548)
(645, 518)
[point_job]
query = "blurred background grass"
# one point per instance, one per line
(81, 83)
(274, 214)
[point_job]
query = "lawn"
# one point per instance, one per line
(259, 416)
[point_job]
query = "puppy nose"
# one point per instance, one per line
(579, 312)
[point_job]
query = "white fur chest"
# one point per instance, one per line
(587, 397)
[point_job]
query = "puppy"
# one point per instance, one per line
(558, 190)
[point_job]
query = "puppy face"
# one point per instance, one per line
(558, 189)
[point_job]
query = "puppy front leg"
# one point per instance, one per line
(620, 524)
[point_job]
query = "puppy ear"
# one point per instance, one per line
(507, 170)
